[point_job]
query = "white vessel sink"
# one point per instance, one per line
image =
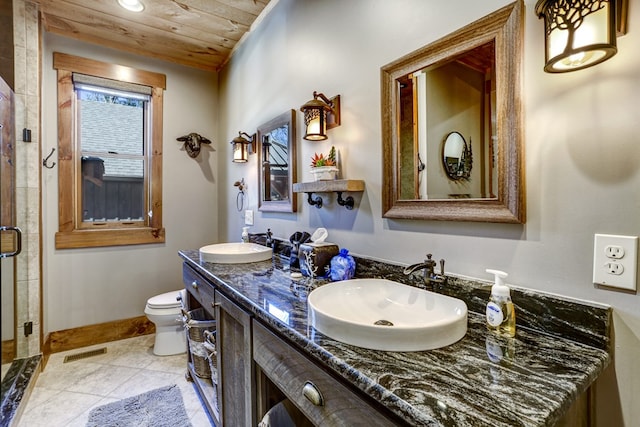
(234, 253)
(380, 314)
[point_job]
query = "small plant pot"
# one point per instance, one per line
(324, 173)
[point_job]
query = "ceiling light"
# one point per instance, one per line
(132, 5)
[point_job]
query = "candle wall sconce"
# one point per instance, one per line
(319, 115)
(580, 33)
(242, 147)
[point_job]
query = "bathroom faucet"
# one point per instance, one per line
(268, 241)
(257, 238)
(429, 273)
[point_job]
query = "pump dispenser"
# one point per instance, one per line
(501, 316)
(245, 234)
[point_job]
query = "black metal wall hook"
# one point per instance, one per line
(46, 159)
(317, 201)
(347, 203)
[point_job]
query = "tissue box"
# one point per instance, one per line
(319, 255)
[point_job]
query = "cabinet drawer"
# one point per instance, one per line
(197, 286)
(291, 371)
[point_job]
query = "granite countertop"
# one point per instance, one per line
(482, 380)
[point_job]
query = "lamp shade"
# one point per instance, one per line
(240, 153)
(315, 120)
(320, 115)
(578, 33)
(241, 147)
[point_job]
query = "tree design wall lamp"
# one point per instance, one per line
(580, 33)
(242, 147)
(320, 115)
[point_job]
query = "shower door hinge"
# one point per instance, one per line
(28, 328)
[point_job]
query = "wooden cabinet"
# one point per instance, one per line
(201, 294)
(320, 397)
(232, 401)
(201, 291)
(256, 369)
(236, 373)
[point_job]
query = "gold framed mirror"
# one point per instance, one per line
(277, 164)
(469, 80)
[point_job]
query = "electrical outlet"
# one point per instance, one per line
(614, 251)
(614, 268)
(248, 217)
(615, 261)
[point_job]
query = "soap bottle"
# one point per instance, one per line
(501, 316)
(245, 234)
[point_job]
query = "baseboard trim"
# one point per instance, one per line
(70, 339)
(8, 351)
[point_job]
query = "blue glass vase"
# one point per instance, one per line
(343, 266)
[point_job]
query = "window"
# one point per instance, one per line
(110, 154)
(111, 140)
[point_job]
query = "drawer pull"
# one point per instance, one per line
(194, 284)
(313, 395)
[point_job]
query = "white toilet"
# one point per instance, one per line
(165, 312)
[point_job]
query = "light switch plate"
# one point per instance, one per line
(615, 261)
(248, 217)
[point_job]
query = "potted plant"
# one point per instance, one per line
(324, 168)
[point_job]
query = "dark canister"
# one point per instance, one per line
(315, 258)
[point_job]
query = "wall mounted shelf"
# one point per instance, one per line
(334, 186)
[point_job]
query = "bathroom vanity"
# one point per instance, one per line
(267, 351)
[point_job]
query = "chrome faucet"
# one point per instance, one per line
(257, 238)
(269, 238)
(429, 273)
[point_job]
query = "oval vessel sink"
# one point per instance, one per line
(234, 253)
(380, 314)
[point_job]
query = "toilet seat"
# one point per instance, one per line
(166, 300)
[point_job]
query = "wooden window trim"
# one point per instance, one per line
(69, 234)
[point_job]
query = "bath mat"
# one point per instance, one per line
(162, 407)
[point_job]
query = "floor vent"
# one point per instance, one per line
(78, 356)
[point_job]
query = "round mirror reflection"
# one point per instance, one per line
(457, 158)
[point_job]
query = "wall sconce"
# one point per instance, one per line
(242, 147)
(320, 115)
(580, 33)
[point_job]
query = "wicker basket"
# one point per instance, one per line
(197, 324)
(210, 346)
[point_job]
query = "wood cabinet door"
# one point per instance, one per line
(321, 398)
(236, 372)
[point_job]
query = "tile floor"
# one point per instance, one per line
(65, 393)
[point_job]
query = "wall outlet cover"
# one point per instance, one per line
(615, 261)
(248, 217)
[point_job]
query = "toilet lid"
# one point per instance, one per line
(166, 300)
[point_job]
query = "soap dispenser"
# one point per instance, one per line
(501, 316)
(245, 234)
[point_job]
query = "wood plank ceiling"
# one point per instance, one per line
(195, 33)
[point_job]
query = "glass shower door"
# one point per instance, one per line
(10, 236)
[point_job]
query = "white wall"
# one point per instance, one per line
(87, 286)
(581, 142)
